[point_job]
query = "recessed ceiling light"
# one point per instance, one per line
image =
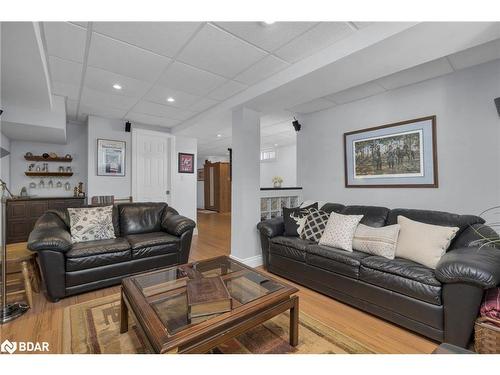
(116, 86)
(275, 145)
(269, 22)
(219, 135)
(170, 99)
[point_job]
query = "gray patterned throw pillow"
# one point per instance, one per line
(340, 230)
(315, 225)
(92, 223)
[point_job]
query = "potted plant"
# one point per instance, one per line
(277, 181)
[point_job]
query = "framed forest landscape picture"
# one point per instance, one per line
(186, 163)
(396, 155)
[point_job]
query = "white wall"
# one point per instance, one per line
(104, 128)
(184, 199)
(200, 195)
(76, 146)
(468, 135)
(5, 164)
(285, 166)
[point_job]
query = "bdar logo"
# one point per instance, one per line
(8, 347)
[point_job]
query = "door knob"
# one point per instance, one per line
(167, 192)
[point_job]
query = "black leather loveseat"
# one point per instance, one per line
(441, 304)
(148, 236)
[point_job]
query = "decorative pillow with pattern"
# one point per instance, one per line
(295, 218)
(377, 241)
(315, 225)
(91, 223)
(340, 230)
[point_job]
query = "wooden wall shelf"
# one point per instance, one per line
(41, 158)
(49, 174)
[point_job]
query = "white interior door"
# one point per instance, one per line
(153, 155)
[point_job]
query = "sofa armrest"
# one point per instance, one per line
(272, 227)
(471, 265)
(50, 233)
(176, 224)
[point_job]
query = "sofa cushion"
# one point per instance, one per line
(289, 247)
(332, 207)
(373, 216)
(138, 218)
(335, 260)
(138, 241)
(84, 255)
(402, 276)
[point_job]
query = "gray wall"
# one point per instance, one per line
(103, 128)
(468, 135)
(76, 146)
(5, 164)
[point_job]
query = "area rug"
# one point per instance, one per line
(94, 327)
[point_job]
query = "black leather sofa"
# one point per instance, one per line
(441, 304)
(148, 236)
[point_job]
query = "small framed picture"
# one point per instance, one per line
(201, 174)
(186, 163)
(110, 158)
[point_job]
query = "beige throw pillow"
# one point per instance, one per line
(91, 223)
(423, 243)
(339, 231)
(377, 241)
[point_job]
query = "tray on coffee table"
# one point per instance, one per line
(157, 301)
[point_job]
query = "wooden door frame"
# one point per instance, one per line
(171, 139)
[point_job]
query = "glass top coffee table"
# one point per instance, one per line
(157, 301)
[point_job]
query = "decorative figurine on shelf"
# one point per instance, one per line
(277, 181)
(51, 184)
(68, 169)
(67, 186)
(75, 192)
(28, 155)
(81, 193)
(53, 155)
(24, 192)
(68, 156)
(61, 169)
(59, 184)
(45, 155)
(38, 168)
(41, 184)
(31, 167)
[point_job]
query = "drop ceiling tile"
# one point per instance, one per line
(189, 79)
(159, 94)
(151, 120)
(476, 55)
(227, 90)
(159, 110)
(81, 24)
(125, 59)
(103, 81)
(220, 52)
(66, 89)
(71, 106)
(314, 40)
(65, 71)
(268, 37)
(418, 73)
(164, 38)
(94, 98)
(65, 40)
(312, 106)
(356, 93)
(102, 111)
(266, 67)
(203, 104)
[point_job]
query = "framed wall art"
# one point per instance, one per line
(186, 163)
(110, 158)
(399, 155)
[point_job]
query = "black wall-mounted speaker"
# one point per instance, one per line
(497, 104)
(128, 126)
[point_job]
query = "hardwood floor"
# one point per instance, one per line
(44, 321)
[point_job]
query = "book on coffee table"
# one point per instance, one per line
(207, 296)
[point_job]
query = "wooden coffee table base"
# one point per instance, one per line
(203, 344)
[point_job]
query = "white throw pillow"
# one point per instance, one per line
(91, 223)
(423, 243)
(339, 231)
(377, 241)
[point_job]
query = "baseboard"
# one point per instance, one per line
(253, 262)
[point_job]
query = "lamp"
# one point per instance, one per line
(11, 311)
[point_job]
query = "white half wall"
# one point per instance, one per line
(285, 166)
(468, 134)
(76, 146)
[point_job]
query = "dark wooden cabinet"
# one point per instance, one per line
(22, 214)
(217, 185)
